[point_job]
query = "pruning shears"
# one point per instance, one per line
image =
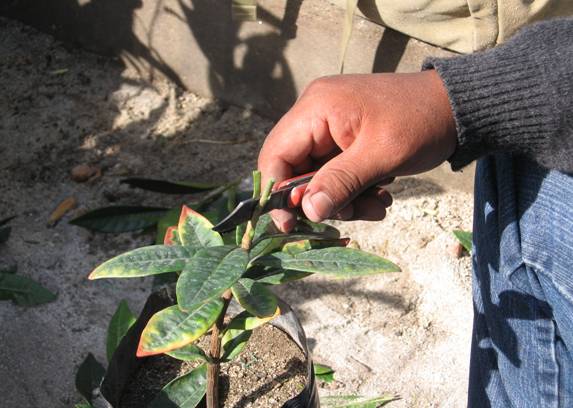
(286, 194)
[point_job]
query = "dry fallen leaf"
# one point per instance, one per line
(61, 210)
(83, 172)
(455, 250)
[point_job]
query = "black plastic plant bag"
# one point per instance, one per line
(124, 363)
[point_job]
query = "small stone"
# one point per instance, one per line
(83, 172)
(456, 250)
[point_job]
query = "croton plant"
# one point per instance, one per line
(212, 269)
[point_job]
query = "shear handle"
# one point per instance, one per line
(297, 186)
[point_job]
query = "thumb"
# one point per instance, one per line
(337, 183)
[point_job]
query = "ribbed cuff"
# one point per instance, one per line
(498, 101)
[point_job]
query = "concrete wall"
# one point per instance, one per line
(264, 64)
(197, 44)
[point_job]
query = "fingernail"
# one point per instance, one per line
(321, 207)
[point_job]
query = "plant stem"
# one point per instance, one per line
(215, 354)
(250, 231)
(215, 345)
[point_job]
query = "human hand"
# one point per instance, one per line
(361, 131)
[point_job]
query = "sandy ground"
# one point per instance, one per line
(405, 333)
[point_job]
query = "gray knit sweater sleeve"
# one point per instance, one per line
(517, 97)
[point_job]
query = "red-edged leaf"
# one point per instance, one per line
(172, 328)
(195, 231)
(171, 237)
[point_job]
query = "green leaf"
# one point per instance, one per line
(246, 321)
(339, 262)
(169, 187)
(239, 232)
(265, 247)
(89, 376)
(23, 291)
(210, 272)
(280, 276)
(120, 218)
(6, 220)
(9, 268)
(5, 234)
(145, 261)
(265, 226)
(195, 231)
(295, 236)
(5, 231)
(465, 238)
(118, 326)
(293, 248)
(190, 352)
(172, 328)
(256, 298)
(186, 391)
(356, 401)
(233, 342)
(304, 225)
(323, 372)
(169, 219)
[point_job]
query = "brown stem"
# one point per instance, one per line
(215, 346)
(215, 354)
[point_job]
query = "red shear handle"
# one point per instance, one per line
(297, 186)
(295, 196)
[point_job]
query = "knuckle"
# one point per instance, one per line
(318, 85)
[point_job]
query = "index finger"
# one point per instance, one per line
(289, 150)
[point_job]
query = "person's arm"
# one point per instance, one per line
(517, 97)
(367, 129)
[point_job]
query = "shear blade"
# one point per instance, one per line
(243, 212)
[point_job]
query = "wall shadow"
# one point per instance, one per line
(390, 51)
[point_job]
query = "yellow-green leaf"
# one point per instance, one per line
(356, 401)
(186, 391)
(195, 231)
(255, 297)
(323, 372)
(233, 342)
(210, 272)
(173, 328)
(144, 261)
(465, 238)
(190, 352)
(339, 262)
(246, 321)
(281, 276)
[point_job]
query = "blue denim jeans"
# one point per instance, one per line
(522, 343)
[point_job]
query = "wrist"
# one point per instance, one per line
(447, 136)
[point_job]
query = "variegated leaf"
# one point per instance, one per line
(173, 328)
(186, 391)
(255, 297)
(195, 231)
(246, 321)
(210, 272)
(339, 262)
(145, 261)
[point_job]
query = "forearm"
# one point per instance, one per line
(517, 97)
